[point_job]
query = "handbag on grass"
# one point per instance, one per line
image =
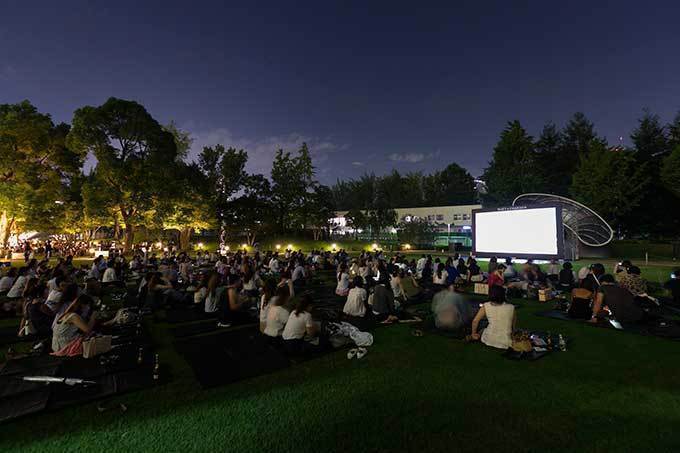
(521, 342)
(94, 346)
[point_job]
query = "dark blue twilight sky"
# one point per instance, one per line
(371, 86)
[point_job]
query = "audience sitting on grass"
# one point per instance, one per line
(357, 298)
(342, 288)
(633, 281)
(382, 302)
(500, 317)
(566, 279)
(7, 281)
(615, 302)
(451, 312)
(440, 277)
(19, 285)
(71, 326)
(241, 287)
(497, 277)
(300, 328)
(277, 315)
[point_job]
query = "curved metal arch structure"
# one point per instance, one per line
(587, 225)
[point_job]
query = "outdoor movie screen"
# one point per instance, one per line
(518, 232)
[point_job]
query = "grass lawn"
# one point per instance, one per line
(611, 391)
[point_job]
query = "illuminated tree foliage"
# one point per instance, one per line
(135, 161)
(36, 171)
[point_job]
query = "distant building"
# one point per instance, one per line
(453, 223)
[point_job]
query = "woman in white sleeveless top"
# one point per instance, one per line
(501, 317)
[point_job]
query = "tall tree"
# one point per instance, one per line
(36, 170)
(512, 170)
(555, 171)
(135, 158)
(578, 137)
(225, 174)
(651, 145)
(610, 182)
(189, 208)
(250, 213)
(320, 209)
(357, 220)
(450, 186)
(292, 177)
(380, 218)
(674, 133)
(670, 172)
(649, 139)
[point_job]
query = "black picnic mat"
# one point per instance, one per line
(206, 326)
(115, 372)
(654, 329)
(188, 314)
(8, 335)
(230, 356)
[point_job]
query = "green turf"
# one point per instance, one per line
(612, 391)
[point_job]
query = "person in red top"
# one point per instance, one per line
(496, 277)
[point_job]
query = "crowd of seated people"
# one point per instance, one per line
(59, 300)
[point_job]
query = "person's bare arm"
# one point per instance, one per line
(81, 324)
(233, 299)
(597, 306)
(481, 314)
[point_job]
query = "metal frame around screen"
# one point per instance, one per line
(560, 233)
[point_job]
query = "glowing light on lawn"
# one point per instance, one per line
(226, 247)
(244, 246)
(407, 246)
(200, 245)
(334, 246)
(374, 246)
(289, 246)
(278, 246)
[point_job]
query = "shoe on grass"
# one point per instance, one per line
(352, 353)
(361, 352)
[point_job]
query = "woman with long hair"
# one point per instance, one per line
(300, 326)
(71, 327)
(268, 294)
(277, 316)
(213, 292)
(342, 287)
(440, 277)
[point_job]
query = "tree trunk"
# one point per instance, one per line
(251, 238)
(6, 227)
(129, 236)
(184, 238)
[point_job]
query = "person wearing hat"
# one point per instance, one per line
(566, 278)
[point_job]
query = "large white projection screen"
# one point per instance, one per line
(520, 233)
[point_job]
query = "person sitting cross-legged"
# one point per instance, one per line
(300, 328)
(355, 306)
(277, 315)
(501, 318)
(616, 302)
